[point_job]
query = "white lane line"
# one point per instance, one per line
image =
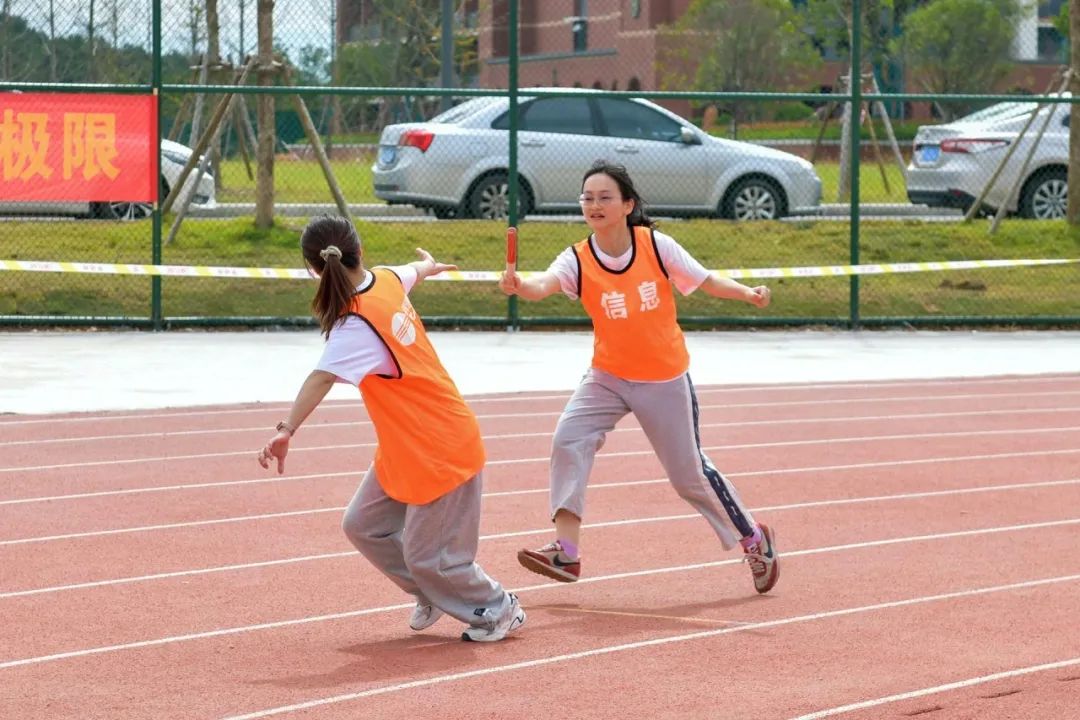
(508, 493)
(529, 588)
(545, 458)
(533, 491)
(940, 688)
(315, 427)
(263, 408)
(358, 473)
(614, 523)
(656, 642)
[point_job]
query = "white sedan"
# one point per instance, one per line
(456, 164)
(952, 163)
(173, 157)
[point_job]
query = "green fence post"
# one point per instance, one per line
(512, 84)
(856, 146)
(155, 252)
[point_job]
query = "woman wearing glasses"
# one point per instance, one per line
(623, 274)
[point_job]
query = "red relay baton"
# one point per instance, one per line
(511, 249)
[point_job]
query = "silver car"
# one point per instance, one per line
(173, 157)
(456, 164)
(953, 162)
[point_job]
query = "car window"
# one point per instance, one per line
(999, 111)
(459, 112)
(627, 119)
(556, 115)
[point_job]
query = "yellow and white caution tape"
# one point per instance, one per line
(491, 276)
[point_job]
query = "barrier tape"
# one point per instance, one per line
(491, 276)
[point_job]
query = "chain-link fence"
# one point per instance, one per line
(736, 119)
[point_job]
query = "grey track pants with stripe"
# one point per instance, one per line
(668, 413)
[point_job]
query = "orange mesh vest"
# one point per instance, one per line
(636, 335)
(429, 439)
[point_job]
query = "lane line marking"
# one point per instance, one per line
(350, 553)
(546, 458)
(358, 473)
(547, 433)
(940, 688)
(629, 483)
(543, 586)
(333, 405)
(341, 508)
(656, 642)
(645, 616)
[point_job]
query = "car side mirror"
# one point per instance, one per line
(688, 136)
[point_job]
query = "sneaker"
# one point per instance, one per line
(552, 562)
(764, 561)
(424, 616)
(511, 620)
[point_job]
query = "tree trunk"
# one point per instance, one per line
(91, 61)
(52, 41)
(213, 51)
(5, 52)
(264, 178)
(1072, 213)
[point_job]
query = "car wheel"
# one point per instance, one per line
(490, 198)
(754, 198)
(443, 212)
(127, 210)
(123, 211)
(1046, 195)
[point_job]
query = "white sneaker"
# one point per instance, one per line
(424, 616)
(511, 620)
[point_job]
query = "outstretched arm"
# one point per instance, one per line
(728, 289)
(537, 287)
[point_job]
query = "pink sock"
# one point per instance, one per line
(751, 540)
(569, 548)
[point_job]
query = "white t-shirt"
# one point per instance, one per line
(353, 351)
(685, 272)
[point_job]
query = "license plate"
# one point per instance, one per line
(929, 154)
(387, 154)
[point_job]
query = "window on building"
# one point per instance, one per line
(579, 26)
(1052, 46)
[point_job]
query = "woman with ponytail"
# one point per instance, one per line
(416, 515)
(623, 273)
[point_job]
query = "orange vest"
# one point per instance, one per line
(636, 334)
(429, 439)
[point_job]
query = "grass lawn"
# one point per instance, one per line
(478, 245)
(303, 182)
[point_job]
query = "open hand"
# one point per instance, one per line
(430, 265)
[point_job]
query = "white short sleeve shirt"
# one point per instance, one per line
(353, 351)
(685, 272)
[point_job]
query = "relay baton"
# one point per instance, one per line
(511, 250)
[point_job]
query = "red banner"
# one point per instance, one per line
(80, 148)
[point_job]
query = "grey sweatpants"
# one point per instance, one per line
(668, 413)
(429, 551)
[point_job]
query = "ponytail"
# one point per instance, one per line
(331, 247)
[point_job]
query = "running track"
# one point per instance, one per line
(929, 530)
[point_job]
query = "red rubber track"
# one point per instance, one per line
(928, 533)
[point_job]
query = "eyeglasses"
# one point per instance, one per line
(602, 200)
